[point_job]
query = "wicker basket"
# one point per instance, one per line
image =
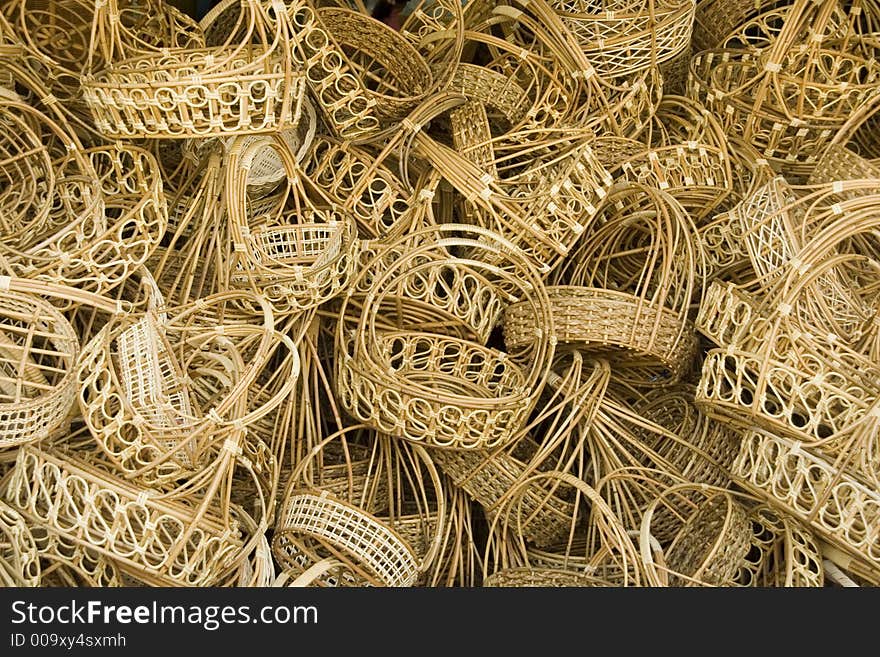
(19, 559)
(363, 73)
(367, 188)
(160, 427)
(314, 525)
(136, 90)
(818, 491)
(784, 552)
(621, 37)
(712, 541)
(38, 356)
(295, 253)
(627, 287)
(166, 543)
(765, 97)
(436, 388)
(64, 562)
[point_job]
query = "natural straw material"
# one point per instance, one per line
(135, 90)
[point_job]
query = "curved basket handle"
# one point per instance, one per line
(856, 121)
(308, 576)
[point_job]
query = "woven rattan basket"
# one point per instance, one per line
(38, 356)
(136, 90)
(621, 37)
(434, 387)
(166, 394)
(167, 543)
(784, 552)
(835, 505)
(712, 542)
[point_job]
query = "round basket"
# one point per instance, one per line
(543, 206)
(139, 91)
(688, 157)
(19, 559)
(627, 287)
(166, 394)
(38, 356)
(767, 97)
(365, 75)
(295, 253)
(620, 37)
(704, 449)
(437, 388)
(98, 251)
(712, 541)
(644, 345)
(317, 525)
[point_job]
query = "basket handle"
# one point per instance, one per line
(309, 575)
(856, 120)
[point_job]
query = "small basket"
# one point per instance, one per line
(764, 97)
(165, 394)
(437, 388)
(628, 285)
(712, 542)
(314, 523)
(38, 355)
(267, 169)
(819, 492)
(364, 74)
(138, 91)
(704, 449)
(621, 36)
(295, 253)
(368, 189)
(167, 543)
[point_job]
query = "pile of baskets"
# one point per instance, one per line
(512, 294)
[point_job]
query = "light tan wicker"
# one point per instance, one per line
(19, 559)
(435, 388)
(160, 541)
(38, 356)
(711, 543)
(621, 36)
(364, 74)
(784, 552)
(781, 100)
(167, 395)
(137, 90)
(295, 253)
(837, 506)
(362, 185)
(65, 562)
(625, 291)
